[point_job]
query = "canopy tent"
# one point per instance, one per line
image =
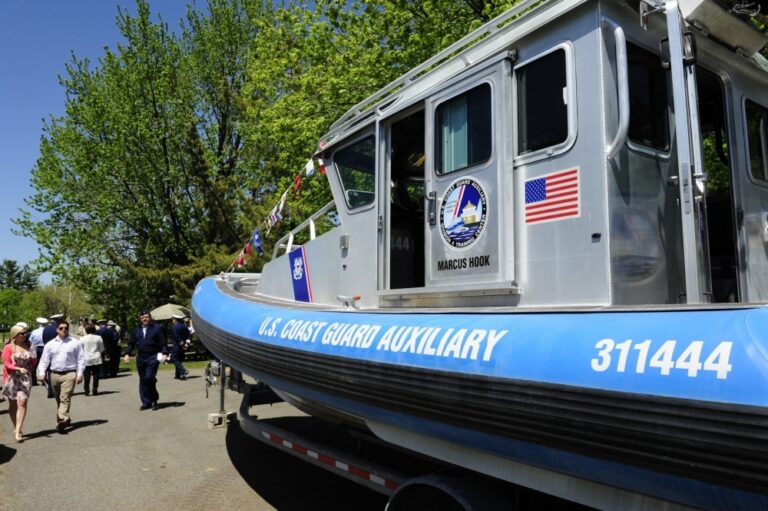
(168, 310)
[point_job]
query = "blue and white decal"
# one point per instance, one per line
(711, 355)
(302, 287)
(463, 213)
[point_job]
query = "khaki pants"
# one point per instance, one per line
(63, 388)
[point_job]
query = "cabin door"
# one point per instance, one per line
(402, 204)
(752, 211)
(465, 243)
(716, 158)
(646, 247)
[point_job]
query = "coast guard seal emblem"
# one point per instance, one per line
(463, 213)
(298, 269)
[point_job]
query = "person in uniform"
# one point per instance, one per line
(149, 341)
(36, 344)
(102, 331)
(112, 344)
(181, 342)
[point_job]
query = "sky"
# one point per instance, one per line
(37, 38)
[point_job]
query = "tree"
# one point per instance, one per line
(31, 307)
(140, 176)
(14, 277)
(312, 61)
(9, 307)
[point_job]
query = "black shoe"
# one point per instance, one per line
(154, 406)
(88, 393)
(145, 407)
(95, 392)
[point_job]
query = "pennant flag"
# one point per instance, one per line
(240, 260)
(309, 168)
(322, 166)
(299, 271)
(247, 249)
(282, 202)
(274, 217)
(297, 184)
(256, 239)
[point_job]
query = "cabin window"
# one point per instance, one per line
(542, 105)
(648, 119)
(463, 134)
(757, 139)
(356, 166)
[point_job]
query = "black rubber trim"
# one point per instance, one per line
(726, 445)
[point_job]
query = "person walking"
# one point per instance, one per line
(49, 333)
(93, 346)
(112, 345)
(17, 382)
(36, 341)
(181, 341)
(149, 341)
(65, 358)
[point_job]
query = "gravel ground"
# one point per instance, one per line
(117, 457)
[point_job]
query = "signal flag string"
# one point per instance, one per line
(275, 215)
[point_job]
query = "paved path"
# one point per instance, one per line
(119, 458)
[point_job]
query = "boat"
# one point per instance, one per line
(551, 265)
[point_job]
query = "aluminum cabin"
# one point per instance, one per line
(581, 90)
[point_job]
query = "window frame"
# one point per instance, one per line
(747, 145)
(492, 127)
(642, 148)
(361, 136)
(571, 107)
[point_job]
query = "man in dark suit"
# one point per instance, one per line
(113, 349)
(181, 341)
(149, 340)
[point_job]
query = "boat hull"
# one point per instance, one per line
(686, 424)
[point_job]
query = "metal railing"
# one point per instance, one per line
(286, 242)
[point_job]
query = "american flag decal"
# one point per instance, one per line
(552, 197)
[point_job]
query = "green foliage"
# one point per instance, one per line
(14, 277)
(9, 307)
(31, 306)
(141, 176)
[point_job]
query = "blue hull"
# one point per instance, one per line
(669, 403)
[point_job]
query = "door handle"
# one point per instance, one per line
(432, 208)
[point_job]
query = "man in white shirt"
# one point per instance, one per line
(66, 358)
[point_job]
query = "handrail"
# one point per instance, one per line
(286, 241)
(478, 36)
(620, 42)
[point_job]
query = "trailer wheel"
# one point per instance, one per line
(449, 493)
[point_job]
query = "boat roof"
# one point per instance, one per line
(476, 47)
(491, 39)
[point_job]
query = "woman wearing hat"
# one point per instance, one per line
(17, 381)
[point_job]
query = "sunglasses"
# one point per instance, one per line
(63, 328)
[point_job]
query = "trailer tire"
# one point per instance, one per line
(449, 493)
